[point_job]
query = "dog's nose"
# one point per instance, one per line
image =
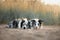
(36, 27)
(24, 28)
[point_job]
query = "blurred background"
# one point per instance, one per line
(12, 9)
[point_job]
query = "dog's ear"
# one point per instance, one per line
(40, 21)
(33, 20)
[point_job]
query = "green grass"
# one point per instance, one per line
(10, 14)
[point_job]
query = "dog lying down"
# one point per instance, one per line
(26, 24)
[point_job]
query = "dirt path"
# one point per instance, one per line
(47, 33)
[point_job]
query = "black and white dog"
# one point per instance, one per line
(25, 24)
(19, 23)
(13, 24)
(35, 23)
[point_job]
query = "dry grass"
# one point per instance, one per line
(47, 33)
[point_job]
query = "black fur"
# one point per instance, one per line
(22, 23)
(15, 24)
(40, 22)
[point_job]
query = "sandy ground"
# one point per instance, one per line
(47, 33)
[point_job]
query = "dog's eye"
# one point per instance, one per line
(35, 23)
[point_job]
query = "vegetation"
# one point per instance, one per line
(10, 9)
(10, 14)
